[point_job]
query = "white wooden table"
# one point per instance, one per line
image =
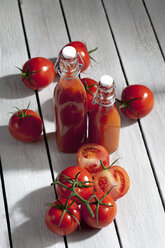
(130, 36)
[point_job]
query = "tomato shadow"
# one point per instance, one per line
(28, 218)
(22, 157)
(125, 121)
(12, 87)
(31, 226)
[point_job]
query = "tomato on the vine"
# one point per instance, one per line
(104, 209)
(89, 156)
(82, 179)
(25, 125)
(90, 87)
(84, 53)
(136, 101)
(38, 73)
(115, 177)
(66, 224)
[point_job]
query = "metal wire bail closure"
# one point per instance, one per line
(57, 68)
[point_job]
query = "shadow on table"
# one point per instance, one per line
(125, 121)
(33, 231)
(17, 155)
(12, 87)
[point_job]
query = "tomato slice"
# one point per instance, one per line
(115, 177)
(89, 156)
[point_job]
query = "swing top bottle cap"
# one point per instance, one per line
(69, 52)
(106, 81)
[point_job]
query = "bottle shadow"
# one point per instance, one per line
(33, 231)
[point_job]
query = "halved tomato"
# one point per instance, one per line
(115, 177)
(89, 156)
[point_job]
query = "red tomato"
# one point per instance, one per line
(84, 176)
(68, 224)
(114, 176)
(136, 101)
(106, 214)
(90, 87)
(38, 73)
(25, 125)
(84, 53)
(89, 156)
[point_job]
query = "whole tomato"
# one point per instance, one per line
(89, 156)
(115, 177)
(84, 184)
(66, 224)
(84, 53)
(104, 214)
(25, 125)
(136, 101)
(90, 87)
(38, 73)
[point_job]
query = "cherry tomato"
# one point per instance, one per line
(25, 125)
(90, 87)
(136, 101)
(84, 176)
(115, 176)
(84, 53)
(89, 156)
(38, 73)
(70, 220)
(106, 214)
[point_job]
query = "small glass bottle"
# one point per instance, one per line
(70, 103)
(104, 120)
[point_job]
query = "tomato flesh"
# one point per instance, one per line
(115, 177)
(89, 156)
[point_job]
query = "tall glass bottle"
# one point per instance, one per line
(70, 103)
(104, 120)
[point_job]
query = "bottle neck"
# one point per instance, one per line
(69, 68)
(104, 96)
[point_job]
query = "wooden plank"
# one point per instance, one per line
(4, 237)
(136, 209)
(156, 11)
(143, 63)
(25, 166)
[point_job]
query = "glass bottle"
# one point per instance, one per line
(70, 103)
(104, 120)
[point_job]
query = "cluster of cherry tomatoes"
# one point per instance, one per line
(87, 191)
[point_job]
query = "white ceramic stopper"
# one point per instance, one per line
(106, 81)
(69, 52)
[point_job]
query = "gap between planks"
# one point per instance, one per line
(5, 205)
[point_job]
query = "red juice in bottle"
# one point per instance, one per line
(70, 104)
(104, 120)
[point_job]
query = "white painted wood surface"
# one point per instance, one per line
(143, 63)
(140, 218)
